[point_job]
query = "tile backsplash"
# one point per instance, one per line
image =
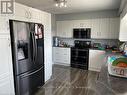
(110, 42)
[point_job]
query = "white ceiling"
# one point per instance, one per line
(74, 6)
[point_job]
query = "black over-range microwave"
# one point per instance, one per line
(82, 33)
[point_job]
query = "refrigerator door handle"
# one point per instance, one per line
(33, 43)
(35, 47)
(26, 75)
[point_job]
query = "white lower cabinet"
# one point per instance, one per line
(6, 79)
(95, 30)
(6, 86)
(61, 55)
(96, 59)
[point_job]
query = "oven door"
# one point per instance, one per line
(79, 58)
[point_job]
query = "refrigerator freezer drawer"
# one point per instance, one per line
(28, 84)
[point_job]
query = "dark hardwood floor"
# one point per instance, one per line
(70, 81)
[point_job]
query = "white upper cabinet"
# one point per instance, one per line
(82, 23)
(34, 15)
(21, 12)
(104, 28)
(47, 25)
(114, 28)
(59, 29)
(68, 28)
(123, 29)
(4, 25)
(64, 29)
(25, 13)
(95, 30)
(101, 28)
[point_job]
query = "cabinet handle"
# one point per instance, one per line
(97, 34)
(9, 43)
(64, 54)
(8, 25)
(100, 34)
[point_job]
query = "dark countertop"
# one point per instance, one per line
(61, 47)
(110, 85)
(71, 47)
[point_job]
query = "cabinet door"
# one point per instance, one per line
(114, 28)
(34, 15)
(67, 29)
(4, 55)
(59, 29)
(96, 59)
(86, 23)
(61, 55)
(6, 71)
(82, 23)
(64, 29)
(6, 86)
(77, 23)
(104, 28)
(47, 26)
(123, 29)
(95, 28)
(4, 25)
(21, 12)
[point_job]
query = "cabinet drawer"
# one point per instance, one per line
(61, 55)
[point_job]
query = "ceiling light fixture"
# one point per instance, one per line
(60, 3)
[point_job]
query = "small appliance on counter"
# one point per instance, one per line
(56, 41)
(125, 50)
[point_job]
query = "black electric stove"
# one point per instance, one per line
(80, 54)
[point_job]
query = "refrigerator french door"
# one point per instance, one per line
(28, 56)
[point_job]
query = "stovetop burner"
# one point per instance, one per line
(82, 44)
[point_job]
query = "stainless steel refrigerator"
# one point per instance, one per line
(28, 56)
